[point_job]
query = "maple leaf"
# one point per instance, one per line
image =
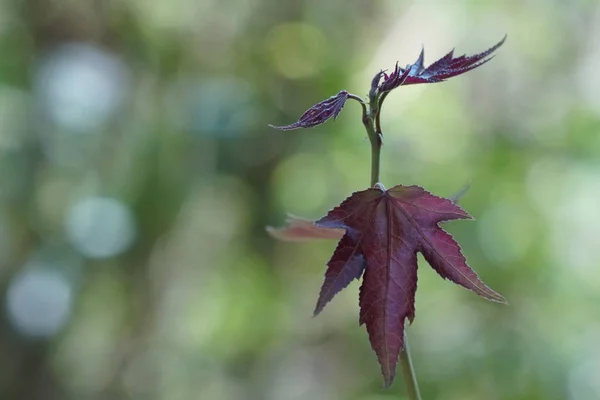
(384, 230)
(444, 68)
(299, 229)
(319, 113)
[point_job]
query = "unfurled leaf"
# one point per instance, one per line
(300, 229)
(444, 68)
(384, 231)
(319, 113)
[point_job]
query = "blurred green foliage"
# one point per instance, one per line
(138, 173)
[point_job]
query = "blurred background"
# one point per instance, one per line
(138, 173)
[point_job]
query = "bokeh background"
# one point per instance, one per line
(137, 174)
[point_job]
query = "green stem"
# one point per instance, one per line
(372, 124)
(376, 142)
(410, 378)
(378, 117)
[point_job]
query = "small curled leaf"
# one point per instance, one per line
(319, 113)
(396, 78)
(375, 83)
(300, 229)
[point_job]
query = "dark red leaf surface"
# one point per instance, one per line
(396, 78)
(444, 68)
(319, 113)
(348, 265)
(384, 230)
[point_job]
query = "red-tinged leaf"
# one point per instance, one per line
(346, 265)
(442, 64)
(418, 65)
(448, 66)
(395, 79)
(388, 228)
(299, 229)
(319, 113)
(444, 68)
(465, 61)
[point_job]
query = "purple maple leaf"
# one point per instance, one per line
(385, 229)
(444, 68)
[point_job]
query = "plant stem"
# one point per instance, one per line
(410, 378)
(372, 124)
(376, 142)
(378, 117)
(375, 155)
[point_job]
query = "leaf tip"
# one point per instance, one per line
(290, 127)
(498, 298)
(388, 381)
(317, 311)
(319, 307)
(388, 373)
(503, 40)
(271, 230)
(277, 233)
(490, 294)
